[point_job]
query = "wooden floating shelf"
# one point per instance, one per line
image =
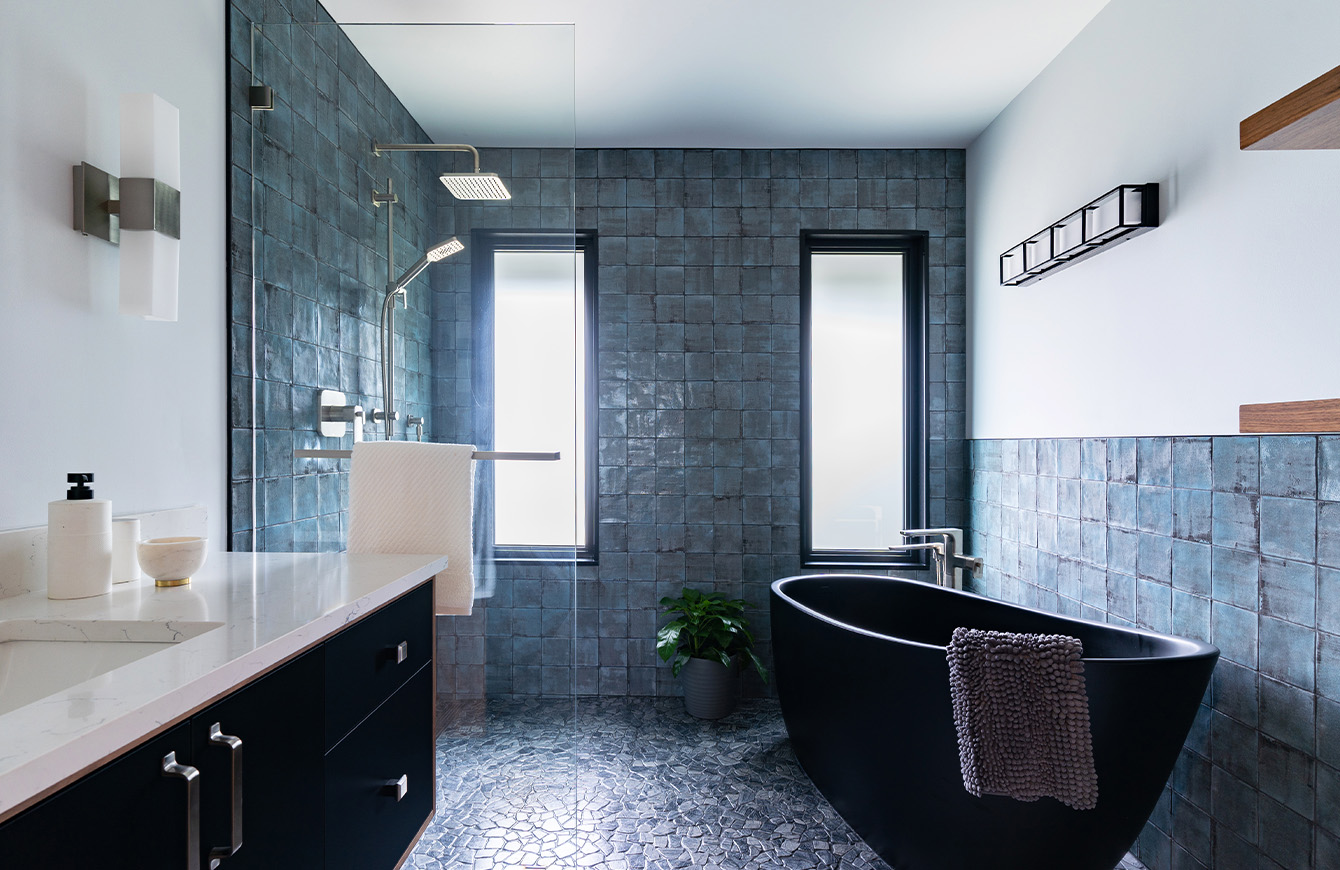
(1308, 118)
(1318, 415)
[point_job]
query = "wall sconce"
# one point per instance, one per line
(1121, 213)
(145, 203)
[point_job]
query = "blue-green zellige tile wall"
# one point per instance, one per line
(1233, 540)
(305, 228)
(699, 380)
(699, 388)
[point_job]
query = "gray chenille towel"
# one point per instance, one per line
(1022, 716)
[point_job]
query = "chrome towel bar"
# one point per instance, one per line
(489, 455)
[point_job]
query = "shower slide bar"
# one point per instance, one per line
(479, 455)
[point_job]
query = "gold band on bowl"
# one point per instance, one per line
(166, 583)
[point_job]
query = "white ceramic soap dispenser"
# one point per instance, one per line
(79, 542)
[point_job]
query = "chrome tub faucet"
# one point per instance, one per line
(949, 560)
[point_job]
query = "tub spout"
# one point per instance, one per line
(937, 550)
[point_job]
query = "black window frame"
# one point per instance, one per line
(914, 245)
(484, 244)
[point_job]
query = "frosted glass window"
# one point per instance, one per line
(539, 397)
(856, 400)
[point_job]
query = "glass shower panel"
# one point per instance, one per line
(325, 229)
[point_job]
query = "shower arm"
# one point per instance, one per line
(379, 147)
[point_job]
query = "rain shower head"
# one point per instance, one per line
(475, 185)
(440, 251)
(463, 185)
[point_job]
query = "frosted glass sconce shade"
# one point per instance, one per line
(150, 139)
(150, 266)
(141, 210)
(150, 259)
(1121, 213)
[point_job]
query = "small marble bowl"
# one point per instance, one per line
(172, 561)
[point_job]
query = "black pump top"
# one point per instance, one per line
(81, 489)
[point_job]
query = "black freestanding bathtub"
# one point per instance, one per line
(864, 687)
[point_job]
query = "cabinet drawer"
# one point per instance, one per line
(368, 827)
(362, 667)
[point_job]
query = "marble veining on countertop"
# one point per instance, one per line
(267, 607)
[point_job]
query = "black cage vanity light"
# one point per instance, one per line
(1122, 213)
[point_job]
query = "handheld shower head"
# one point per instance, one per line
(440, 251)
(444, 249)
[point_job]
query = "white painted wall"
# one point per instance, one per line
(141, 404)
(1235, 299)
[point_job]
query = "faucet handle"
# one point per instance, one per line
(931, 533)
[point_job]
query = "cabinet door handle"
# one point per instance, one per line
(399, 652)
(192, 777)
(234, 747)
(397, 787)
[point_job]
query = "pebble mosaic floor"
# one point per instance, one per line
(628, 784)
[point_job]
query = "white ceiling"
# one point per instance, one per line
(713, 73)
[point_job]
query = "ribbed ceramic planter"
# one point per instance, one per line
(709, 688)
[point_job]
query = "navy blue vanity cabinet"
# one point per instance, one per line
(329, 756)
(379, 730)
(379, 781)
(372, 658)
(127, 815)
(259, 752)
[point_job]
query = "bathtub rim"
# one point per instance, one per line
(1185, 648)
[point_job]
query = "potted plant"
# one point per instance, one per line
(703, 640)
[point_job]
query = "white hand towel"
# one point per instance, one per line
(413, 497)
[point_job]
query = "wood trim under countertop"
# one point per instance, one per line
(1308, 118)
(423, 829)
(1318, 415)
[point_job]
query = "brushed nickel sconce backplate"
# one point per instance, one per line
(104, 205)
(93, 190)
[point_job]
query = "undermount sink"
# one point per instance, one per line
(40, 657)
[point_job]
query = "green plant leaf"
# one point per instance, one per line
(705, 625)
(758, 665)
(667, 639)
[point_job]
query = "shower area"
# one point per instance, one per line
(405, 266)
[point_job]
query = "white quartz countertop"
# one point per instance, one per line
(270, 606)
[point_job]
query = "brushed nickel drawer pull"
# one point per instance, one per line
(192, 777)
(234, 747)
(397, 787)
(401, 652)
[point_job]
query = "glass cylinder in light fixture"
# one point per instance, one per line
(1102, 217)
(150, 260)
(1068, 235)
(1132, 206)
